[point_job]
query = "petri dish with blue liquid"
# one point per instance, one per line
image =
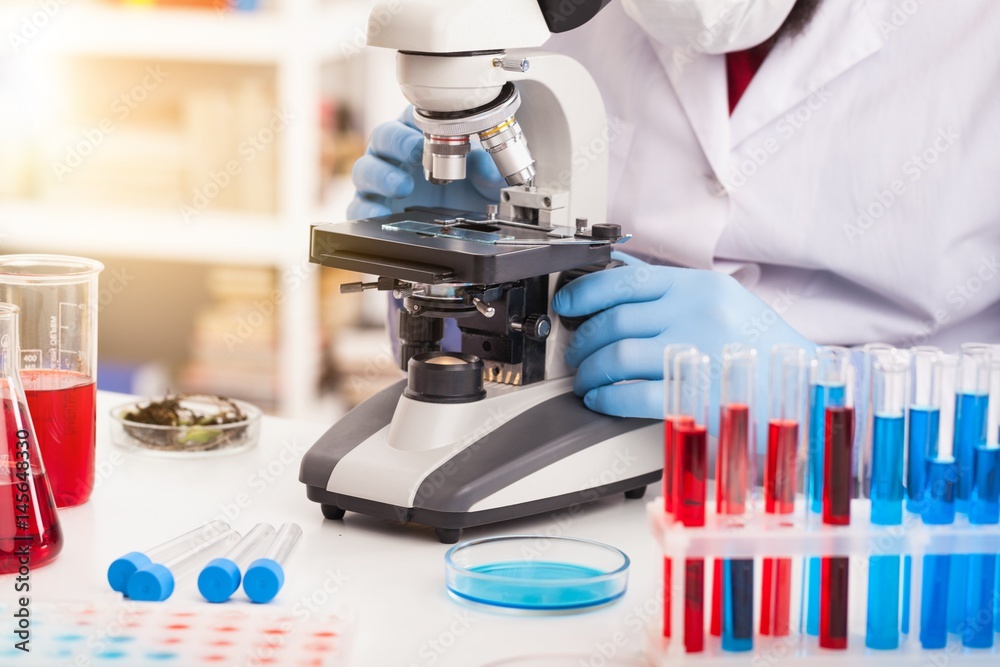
(536, 573)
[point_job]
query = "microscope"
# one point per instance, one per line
(492, 432)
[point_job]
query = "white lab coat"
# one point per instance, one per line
(856, 187)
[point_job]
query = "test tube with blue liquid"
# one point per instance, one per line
(939, 507)
(973, 385)
(266, 576)
(156, 582)
(733, 606)
(888, 399)
(980, 614)
(122, 569)
(924, 417)
(827, 388)
(863, 414)
(222, 576)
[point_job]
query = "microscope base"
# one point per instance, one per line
(547, 455)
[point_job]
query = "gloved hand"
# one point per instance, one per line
(390, 176)
(640, 308)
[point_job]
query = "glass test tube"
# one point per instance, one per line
(863, 416)
(837, 475)
(786, 415)
(265, 576)
(671, 417)
(972, 389)
(690, 477)
(121, 569)
(939, 508)
(155, 582)
(827, 387)
(924, 416)
(732, 590)
(222, 576)
(978, 624)
(888, 400)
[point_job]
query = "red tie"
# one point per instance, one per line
(740, 69)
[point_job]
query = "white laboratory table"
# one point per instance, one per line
(391, 575)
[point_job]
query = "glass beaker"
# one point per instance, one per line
(57, 296)
(29, 528)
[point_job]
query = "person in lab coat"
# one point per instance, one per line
(826, 170)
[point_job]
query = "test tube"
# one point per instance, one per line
(671, 417)
(972, 388)
(977, 630)
(863, 416)
(732, 591)
(690, 476)
(827, 387)
(837, 474)
(265, 576)
(939, 508)
(786, 415)
(122, 569)
(155, 582)
(221, 577)
(888, 399)
(924, 416)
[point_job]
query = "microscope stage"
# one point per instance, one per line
(434, 246)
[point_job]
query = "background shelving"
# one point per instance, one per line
(128, 201)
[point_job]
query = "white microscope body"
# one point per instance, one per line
(523, 444)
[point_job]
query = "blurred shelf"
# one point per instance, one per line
(333, 31)
(217, 237)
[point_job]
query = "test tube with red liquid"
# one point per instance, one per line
(838, 445)
(785, 435)
(58, 298)
(732, 589)
(30, 535)
(671, 417)
(690, 477)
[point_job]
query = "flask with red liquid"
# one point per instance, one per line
(29, 528)
(58, 298)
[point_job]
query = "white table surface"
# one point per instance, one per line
(391, 575)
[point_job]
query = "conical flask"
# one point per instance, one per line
(29, 528)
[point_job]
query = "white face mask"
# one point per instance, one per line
(710, 26)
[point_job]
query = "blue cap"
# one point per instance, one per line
(122, 569)
(219, 580)
(151, 584)
(263, 580)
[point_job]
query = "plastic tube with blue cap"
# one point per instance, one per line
(122, 569)
(155, 583)
(265, 576)
(222, 576)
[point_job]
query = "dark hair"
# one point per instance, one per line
(798, 19)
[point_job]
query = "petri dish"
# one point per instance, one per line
(536, 573)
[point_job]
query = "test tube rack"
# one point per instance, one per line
(799, 536)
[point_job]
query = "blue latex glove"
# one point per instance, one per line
(641, 308)
(390, 176)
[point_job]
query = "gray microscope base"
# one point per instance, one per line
(529, 442)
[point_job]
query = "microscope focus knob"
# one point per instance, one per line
(606, 231)
(534, 326)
